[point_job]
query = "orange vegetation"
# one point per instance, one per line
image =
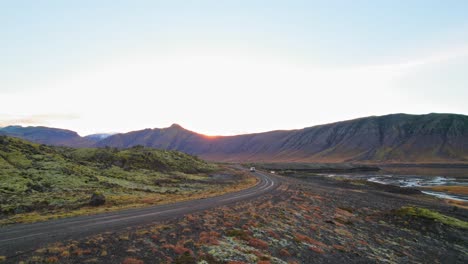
(451, 189)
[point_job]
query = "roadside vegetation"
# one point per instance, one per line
(307, 221)
(432, 215)
(39, 182)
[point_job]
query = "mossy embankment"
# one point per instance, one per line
(39, 182)
(432, 215)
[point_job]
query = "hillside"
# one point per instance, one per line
(396, 138)
(47, 135)
(42, 180)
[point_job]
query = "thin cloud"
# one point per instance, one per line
(41, 119)
(432, 59)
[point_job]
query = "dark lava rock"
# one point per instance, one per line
(394, 189)
(97, 199)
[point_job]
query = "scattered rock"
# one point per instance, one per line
(97, 199)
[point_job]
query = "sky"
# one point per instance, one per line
(228, 67)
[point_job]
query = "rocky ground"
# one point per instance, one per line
(306, 220)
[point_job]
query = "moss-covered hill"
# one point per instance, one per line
(40, 178)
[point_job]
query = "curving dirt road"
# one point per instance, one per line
(21, 238)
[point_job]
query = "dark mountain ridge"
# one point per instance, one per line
(391, 138)
(47, 135)
(396, 138)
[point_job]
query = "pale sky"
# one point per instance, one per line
(228, 67)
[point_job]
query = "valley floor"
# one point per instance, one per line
(305, 220)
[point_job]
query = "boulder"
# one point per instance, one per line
(97, 199)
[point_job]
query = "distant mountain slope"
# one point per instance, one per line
(47, 135)
(390, 138)
(98, 137)
(398, 138)
(177, 138)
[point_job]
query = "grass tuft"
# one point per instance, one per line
(433, 215)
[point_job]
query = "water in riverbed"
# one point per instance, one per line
(415, 181)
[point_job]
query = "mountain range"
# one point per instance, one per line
(396, 138)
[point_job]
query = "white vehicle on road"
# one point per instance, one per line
(252, 169)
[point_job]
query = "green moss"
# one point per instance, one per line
(433, 215)
(57, 180)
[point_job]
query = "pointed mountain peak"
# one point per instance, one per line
(176, 126)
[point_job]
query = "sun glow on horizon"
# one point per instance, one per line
(208, 91)
(230, 67)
